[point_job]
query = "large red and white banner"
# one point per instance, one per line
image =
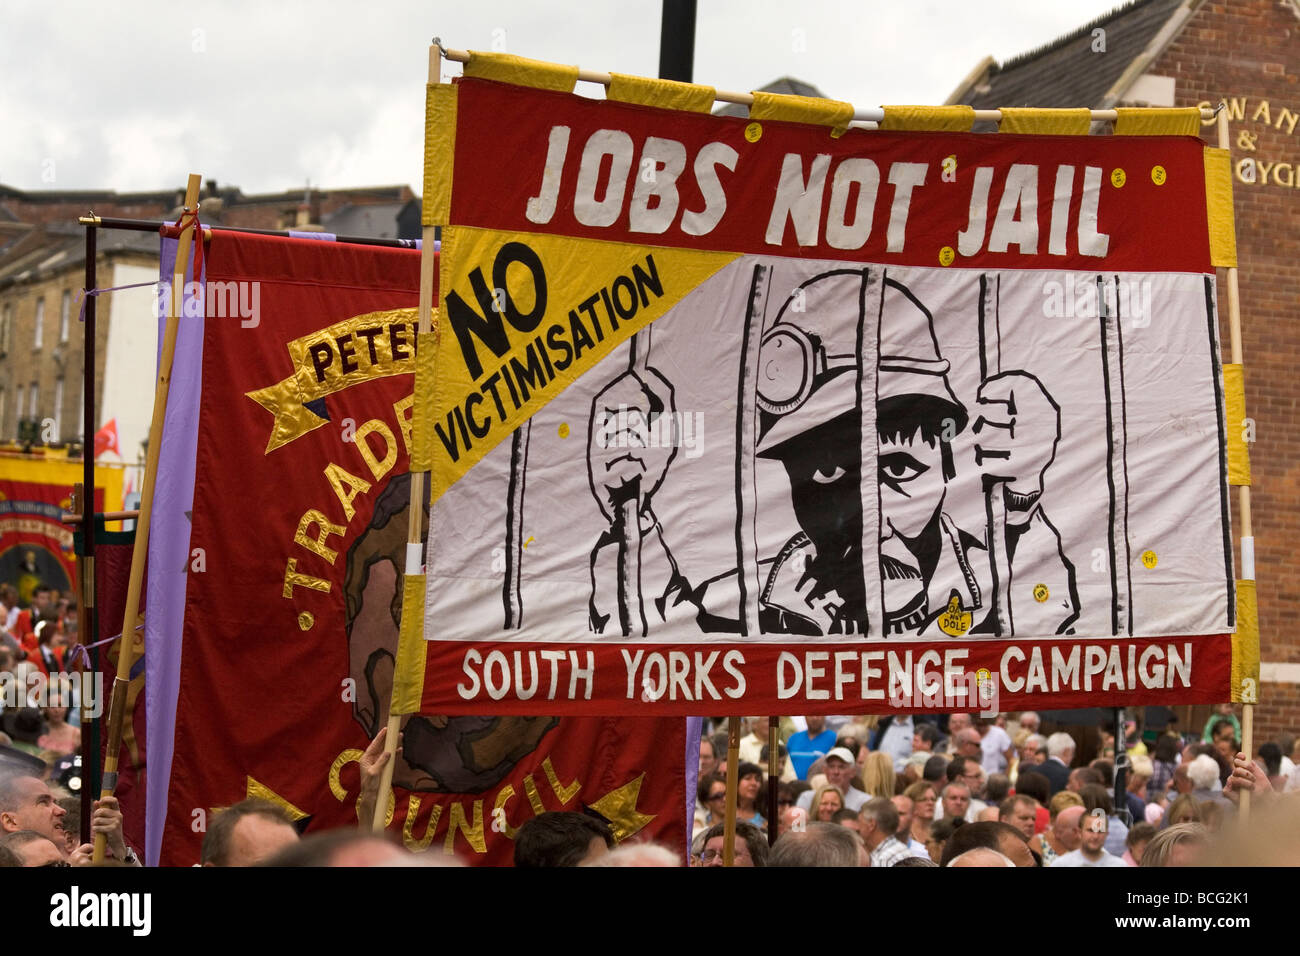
(740, 417)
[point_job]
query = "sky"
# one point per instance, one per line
(268, 96)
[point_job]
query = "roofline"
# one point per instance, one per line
(972, 79)
(1159, 43)
(77, 260)
(166, 195)
(1075, 34)
(1173, 26)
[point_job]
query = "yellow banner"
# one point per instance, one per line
(1040, 122)
(1245, 646)
(63, 471)
(1234, 399)
(408, 668)
(1218, 208)
(519, 325)
(347, 353)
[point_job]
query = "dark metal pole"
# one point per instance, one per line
(677, 41)
(677, 62)
(86, 624)
(152, 225)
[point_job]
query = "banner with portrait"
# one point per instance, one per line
(729, 414)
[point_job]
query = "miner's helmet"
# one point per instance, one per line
(808, 358)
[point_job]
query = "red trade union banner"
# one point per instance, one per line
(293, 601)
(744, 417)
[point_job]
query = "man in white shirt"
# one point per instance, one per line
(840, 765)
(752, 744)
(896, 740)
(996, 748)
(1091, 850)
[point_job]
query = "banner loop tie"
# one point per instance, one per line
(77, 654)
(189, 218)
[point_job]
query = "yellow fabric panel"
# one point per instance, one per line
(664, 94)
(439, 152)
(426, 353)
(287, 400)
(1234, 395)
(1218, 208)
(506, 68)
(408, 668)
(1145, 121)
(802, 109)
(1046, 122)
(951, 119)
(657, 277)
(1245, 646)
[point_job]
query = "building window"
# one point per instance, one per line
(58, 408)
(34, 400)
(6, 317)
(18, 406)
(40, 323)
(65, 310)
(3, 409)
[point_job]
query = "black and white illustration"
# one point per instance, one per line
(832, 451)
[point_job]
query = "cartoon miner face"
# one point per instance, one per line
(917, 416)
(811, 423)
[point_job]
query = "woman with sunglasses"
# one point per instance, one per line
(711, 801)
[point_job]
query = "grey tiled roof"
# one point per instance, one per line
(1066, 72)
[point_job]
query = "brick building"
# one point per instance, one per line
(42, 270)
(1245, 53)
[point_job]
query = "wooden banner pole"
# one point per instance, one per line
(415, 516)
(733, 781)
(773, 777)
(1243, 491)
(126, 655)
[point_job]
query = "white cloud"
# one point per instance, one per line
(269, 96)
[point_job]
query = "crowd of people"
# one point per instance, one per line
(932, 790)
(927, 790)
